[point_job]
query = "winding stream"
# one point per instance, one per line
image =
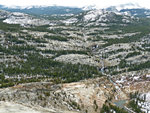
(120, 103)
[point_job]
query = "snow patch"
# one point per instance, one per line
(70, 21)
(92, 15)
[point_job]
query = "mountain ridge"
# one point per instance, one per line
(77, 63)
(129, 8)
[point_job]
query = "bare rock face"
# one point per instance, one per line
(11, 107)
(62, 98)
(78, 97)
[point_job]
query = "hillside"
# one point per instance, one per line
(77, 63)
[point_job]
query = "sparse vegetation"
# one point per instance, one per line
(111, 108)
(59, 38)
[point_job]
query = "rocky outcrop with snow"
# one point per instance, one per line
(99, 16)
(3, 14)
(24, 19)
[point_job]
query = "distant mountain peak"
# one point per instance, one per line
(43, 9)
(90, 7)
(24, 7)
(126, 6)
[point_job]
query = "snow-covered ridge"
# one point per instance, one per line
(96, 16)
(92, 15)
(117, 7)
(102, 15)
(128, 6)
(90, 7)
(87, 7)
